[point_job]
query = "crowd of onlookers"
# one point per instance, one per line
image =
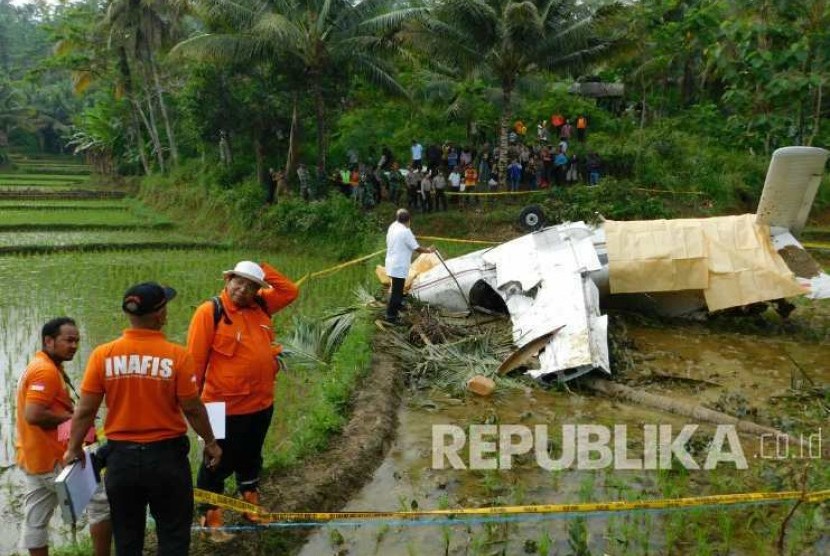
(431, 172)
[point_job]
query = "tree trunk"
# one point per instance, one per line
(506, 114)
(293, 138)
(679, 407)
(688, 84)
(154, 134)
(320, 107)
(138, 118)
(142, 154)
(149, 125)
(171, 139)
(225, 155)
(816, 115)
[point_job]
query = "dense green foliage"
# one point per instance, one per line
(250, 86)
(204, 198)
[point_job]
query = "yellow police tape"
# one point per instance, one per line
(453, 240)
(816, 245)
(341, 266)
(495, 193)
(669, 191)
(229, 503)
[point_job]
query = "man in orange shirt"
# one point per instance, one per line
(147, 382)
(43, 405)
(581, 128)
(231, 341)
(470, 180)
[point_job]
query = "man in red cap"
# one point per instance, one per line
(232, 342)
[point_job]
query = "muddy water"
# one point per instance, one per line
(406, 480)
(740, 372)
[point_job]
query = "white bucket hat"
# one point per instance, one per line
(249, 270)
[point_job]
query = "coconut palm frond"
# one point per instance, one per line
(336, 329)
(305, 343)
(444, 357)
(363, 296)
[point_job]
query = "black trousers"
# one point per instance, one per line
(395, 298)
(158, 474)
(241, 452)
(440, 200)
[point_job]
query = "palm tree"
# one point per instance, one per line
(317, 38)
(139, 29)
(507, 40)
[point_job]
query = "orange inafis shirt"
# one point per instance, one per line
(236, 361)
(142, 376)
(38, 449)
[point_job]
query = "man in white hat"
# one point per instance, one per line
(232, 343)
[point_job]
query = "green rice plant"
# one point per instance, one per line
(578, 537)
(545, 544)
(65, 193)
(66, 204)
(115, 238)
(61, 169)
(30, 177)
(382, 531)
(33, 187)
(76, 219)
(314, 399)
(16, 183)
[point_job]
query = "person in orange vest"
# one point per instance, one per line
(470, 179)
(44, 413)
(231, 340)
(581, 128)
(149, 388)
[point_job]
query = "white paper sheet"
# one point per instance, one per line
(216, 415)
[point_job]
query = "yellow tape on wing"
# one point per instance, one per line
(581, 508)
(453, 240)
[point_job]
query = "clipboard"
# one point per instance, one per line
(75, 486)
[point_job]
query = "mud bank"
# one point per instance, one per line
(325, 482)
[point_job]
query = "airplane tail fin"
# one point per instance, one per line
(790, 188)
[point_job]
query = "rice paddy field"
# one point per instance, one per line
(65, 256)
(61, 255)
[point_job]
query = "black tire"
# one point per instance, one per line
(532, 218)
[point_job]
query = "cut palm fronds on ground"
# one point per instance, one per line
(433, 354)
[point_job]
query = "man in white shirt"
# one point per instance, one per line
(417, 155)
(400, 243)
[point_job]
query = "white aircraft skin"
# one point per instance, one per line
(572, 260)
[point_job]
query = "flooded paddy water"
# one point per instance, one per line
(755, 367)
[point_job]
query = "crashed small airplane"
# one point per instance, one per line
(551, 281)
